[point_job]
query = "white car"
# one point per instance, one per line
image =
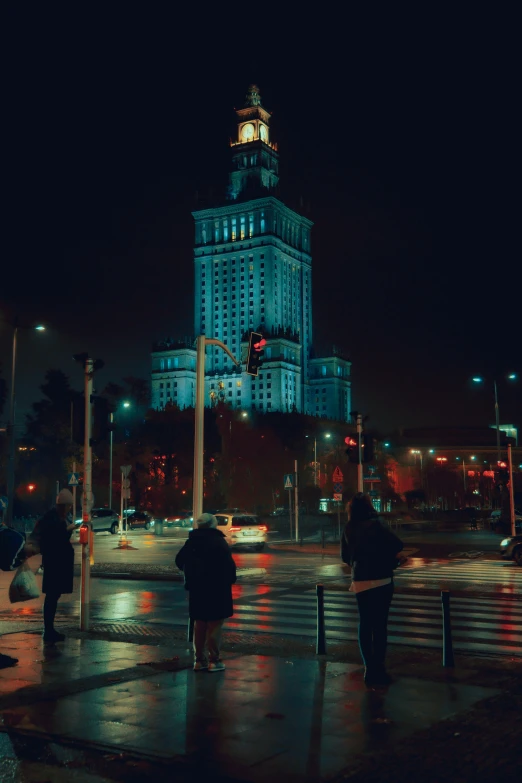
(242, 529)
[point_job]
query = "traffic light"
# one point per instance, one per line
(101, 424)
(502, 474)
(256, 344)
(367, 448)
(352, 450)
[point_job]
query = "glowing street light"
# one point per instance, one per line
(126, 404)
(478, 379)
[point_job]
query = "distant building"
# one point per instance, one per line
(253, 271)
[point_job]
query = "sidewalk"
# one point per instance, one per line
(92, 710)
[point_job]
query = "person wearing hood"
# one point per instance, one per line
(372, 551)
(52, 536)
(210, 572)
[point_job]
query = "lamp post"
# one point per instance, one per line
(478, 379)
(316, 472)
(126, 404)
(12, 423)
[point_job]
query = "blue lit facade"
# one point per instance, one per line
(253, 270)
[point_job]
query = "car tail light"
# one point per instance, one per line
(235, 529)
(263, 528)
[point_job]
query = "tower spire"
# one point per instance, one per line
(253, 97)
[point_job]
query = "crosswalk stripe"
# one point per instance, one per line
(492, 626)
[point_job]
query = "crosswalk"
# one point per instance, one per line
(504, 575)
(481, 625)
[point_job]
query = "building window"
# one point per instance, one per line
(225, 230)
(216, 231)
(242, 227)
(323, 370)
(250, 225)
(162, 364)
(234, 229)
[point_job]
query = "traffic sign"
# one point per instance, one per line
(338, 496)
(126, 469)
(376, 479)
(288, 481)
(73, 479)
(338, 488)
(125, 493)
(337, 474)
(3, 502)
(125, 484)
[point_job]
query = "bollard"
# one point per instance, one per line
(321, 636)
(190, 630)
(447, 645)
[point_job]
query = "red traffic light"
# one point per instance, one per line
(258, 346)
(350, 441)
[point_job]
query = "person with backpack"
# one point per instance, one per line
(210, 572)
(372, 551)
(12, 554)
(52, 534)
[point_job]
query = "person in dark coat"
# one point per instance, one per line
(52, 534)
(210, 572)
(372, 551)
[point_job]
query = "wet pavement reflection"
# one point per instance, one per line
(261, 718)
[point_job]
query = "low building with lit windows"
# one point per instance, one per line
(253, 271)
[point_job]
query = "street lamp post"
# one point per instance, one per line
(478, 379)
(11, 425)
(126, 404)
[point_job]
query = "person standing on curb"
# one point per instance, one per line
(372, 551)
(52, 535)
(210, 572)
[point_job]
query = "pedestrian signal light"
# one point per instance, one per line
(256, 345)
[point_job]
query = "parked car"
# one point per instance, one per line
(102, 519)
(511, 549)
(179, 520)
(140, 519)
(242, 529)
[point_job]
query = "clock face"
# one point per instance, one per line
(263, 133)
(247, 132)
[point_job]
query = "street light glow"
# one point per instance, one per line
(473, 457)
(327, 435)
(244, 414)
(386, 444)
(40, 328)
(512, 376)
(126, 404)
(476, 379)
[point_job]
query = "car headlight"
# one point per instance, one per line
(505, 542)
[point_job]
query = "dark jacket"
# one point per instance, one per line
(371, 550)
(210, 572)
(53, 538)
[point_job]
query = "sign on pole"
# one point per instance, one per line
(125, 470)
(338, 496)
(73, 479)
(288, 481)
(125, 488)
(338, 475)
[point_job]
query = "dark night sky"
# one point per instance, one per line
(402, 140)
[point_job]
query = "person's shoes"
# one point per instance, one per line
(50, 637)
(381, 677)
(216, 666)
(7, 660)
(200, 666)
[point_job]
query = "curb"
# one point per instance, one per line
(166, 576)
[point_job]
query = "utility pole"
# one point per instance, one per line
(199, 434)
(296, 502)
(360, 483)
(110, 461)
(497, 421)
(511, 492)
(11, 431)
(85, 588)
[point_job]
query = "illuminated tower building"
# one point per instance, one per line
(253, 270)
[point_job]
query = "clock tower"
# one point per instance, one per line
(255, 162)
